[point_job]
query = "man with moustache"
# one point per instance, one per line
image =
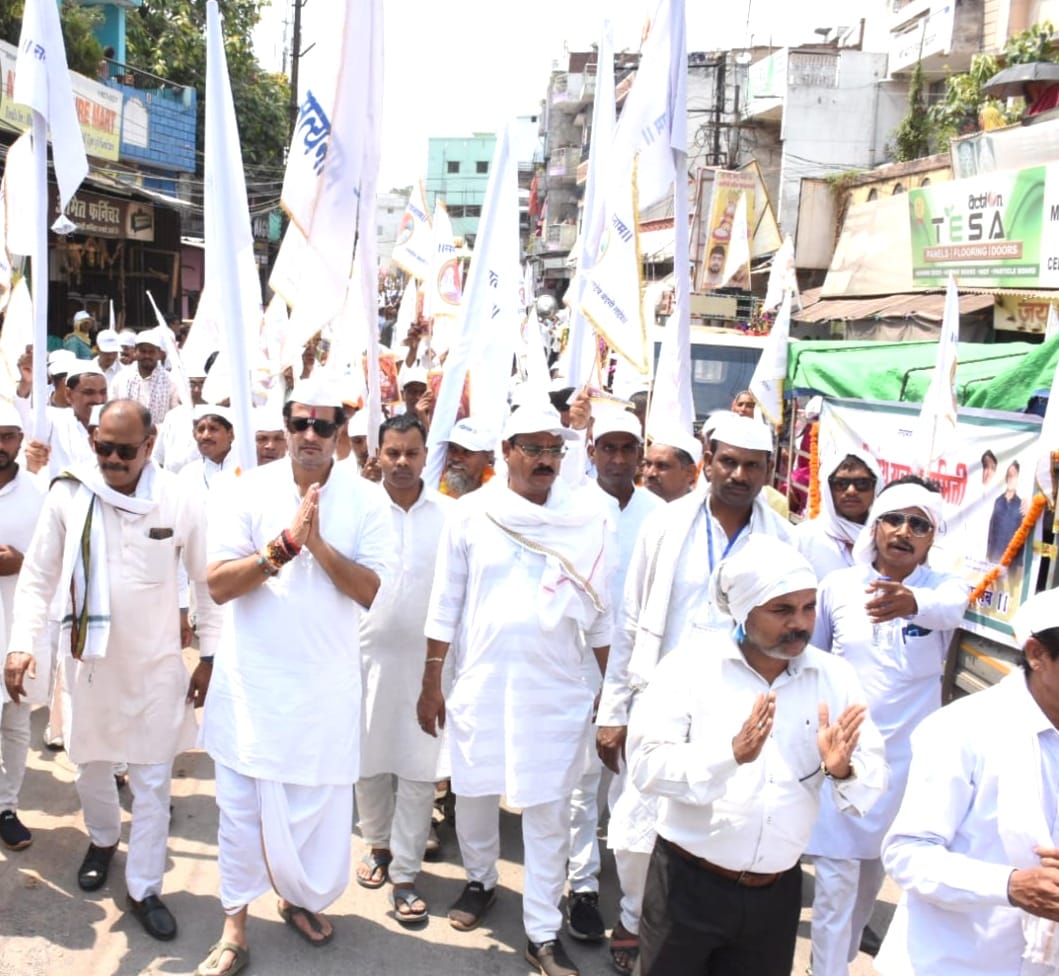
(667, 587)
(214, 435)
(395, 792)
(177, 445)
(20, 503)
(298, 549)
(739, 734)
(469, 458)
(111, 539)
(892, 618)
(670, 468)
(520, 591)
(148, 383)
(65, 441)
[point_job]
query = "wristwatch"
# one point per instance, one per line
(844, 779)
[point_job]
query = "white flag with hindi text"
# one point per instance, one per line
(640, 173)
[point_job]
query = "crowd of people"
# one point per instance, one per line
(597, 627)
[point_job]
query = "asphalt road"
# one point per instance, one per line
(49, 927)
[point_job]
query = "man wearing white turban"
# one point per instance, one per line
(974, 845)
(738, 732)
(827, 540)
(892, 618)
(667, 586)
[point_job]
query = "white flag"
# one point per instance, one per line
(1051, 330)
(771, 371)
(937, 416)
(329, 154)
(442, 289)
(488, 315)
(230, 269)
(42, 82)
(582, 341)
(640, 173)
(782, 275)
(411, 253)
(737, 260)
(406, 315)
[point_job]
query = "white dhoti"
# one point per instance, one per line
(294, 839)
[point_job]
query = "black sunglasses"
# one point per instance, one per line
(124, 451)
(322, 428)
(918, 525)
(844, 484)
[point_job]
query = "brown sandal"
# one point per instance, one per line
(624, 950)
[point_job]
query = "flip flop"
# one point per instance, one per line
(375, 862)
(208, 966)
(623, 947)
(291, 912)
(408, 897)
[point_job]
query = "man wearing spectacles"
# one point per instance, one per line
(827, 540)
(892, 618)
(110, 539)
(520, 592)
(298, 549)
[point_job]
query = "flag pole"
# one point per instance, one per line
(40, 273)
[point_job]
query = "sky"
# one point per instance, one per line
(454, 69)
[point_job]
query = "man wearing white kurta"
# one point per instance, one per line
(113, 538)
(738, 733)
(297, 550)
(64, 442)
(616, 452)
(975, 844)
(20, 503)
(177, 445)
(521, 581)
(399, 763)
(892, 618)
(666, 590)
(852, 480)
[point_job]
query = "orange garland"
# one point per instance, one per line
(1018, 540)
(814, 470)
(487, 475)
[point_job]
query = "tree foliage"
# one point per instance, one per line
(83, 51)
(964, 102)
(912, 136)
(168, 39)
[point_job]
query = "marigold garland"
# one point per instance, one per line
(487, 475)
(814, 470)
(1018, 540)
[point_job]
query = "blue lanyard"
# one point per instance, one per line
(709, 539)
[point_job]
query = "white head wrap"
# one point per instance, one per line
(839, 527)
(762, 569)
(1039, 612)
(744, 432)
(893, 500)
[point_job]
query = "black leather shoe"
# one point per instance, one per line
(92, 874)
(870, 943)
(156, 919)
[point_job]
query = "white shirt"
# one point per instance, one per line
(689, 599)
(519, 711)
(902, 684)
(175, 446)
(825, 552)
(945, 848)
(756, 816)
(392, 645)
(284, 701)
(20, 504)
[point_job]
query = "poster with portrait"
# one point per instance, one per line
(389, 388)
(434, 378)
(987, 479)
(720, 221)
